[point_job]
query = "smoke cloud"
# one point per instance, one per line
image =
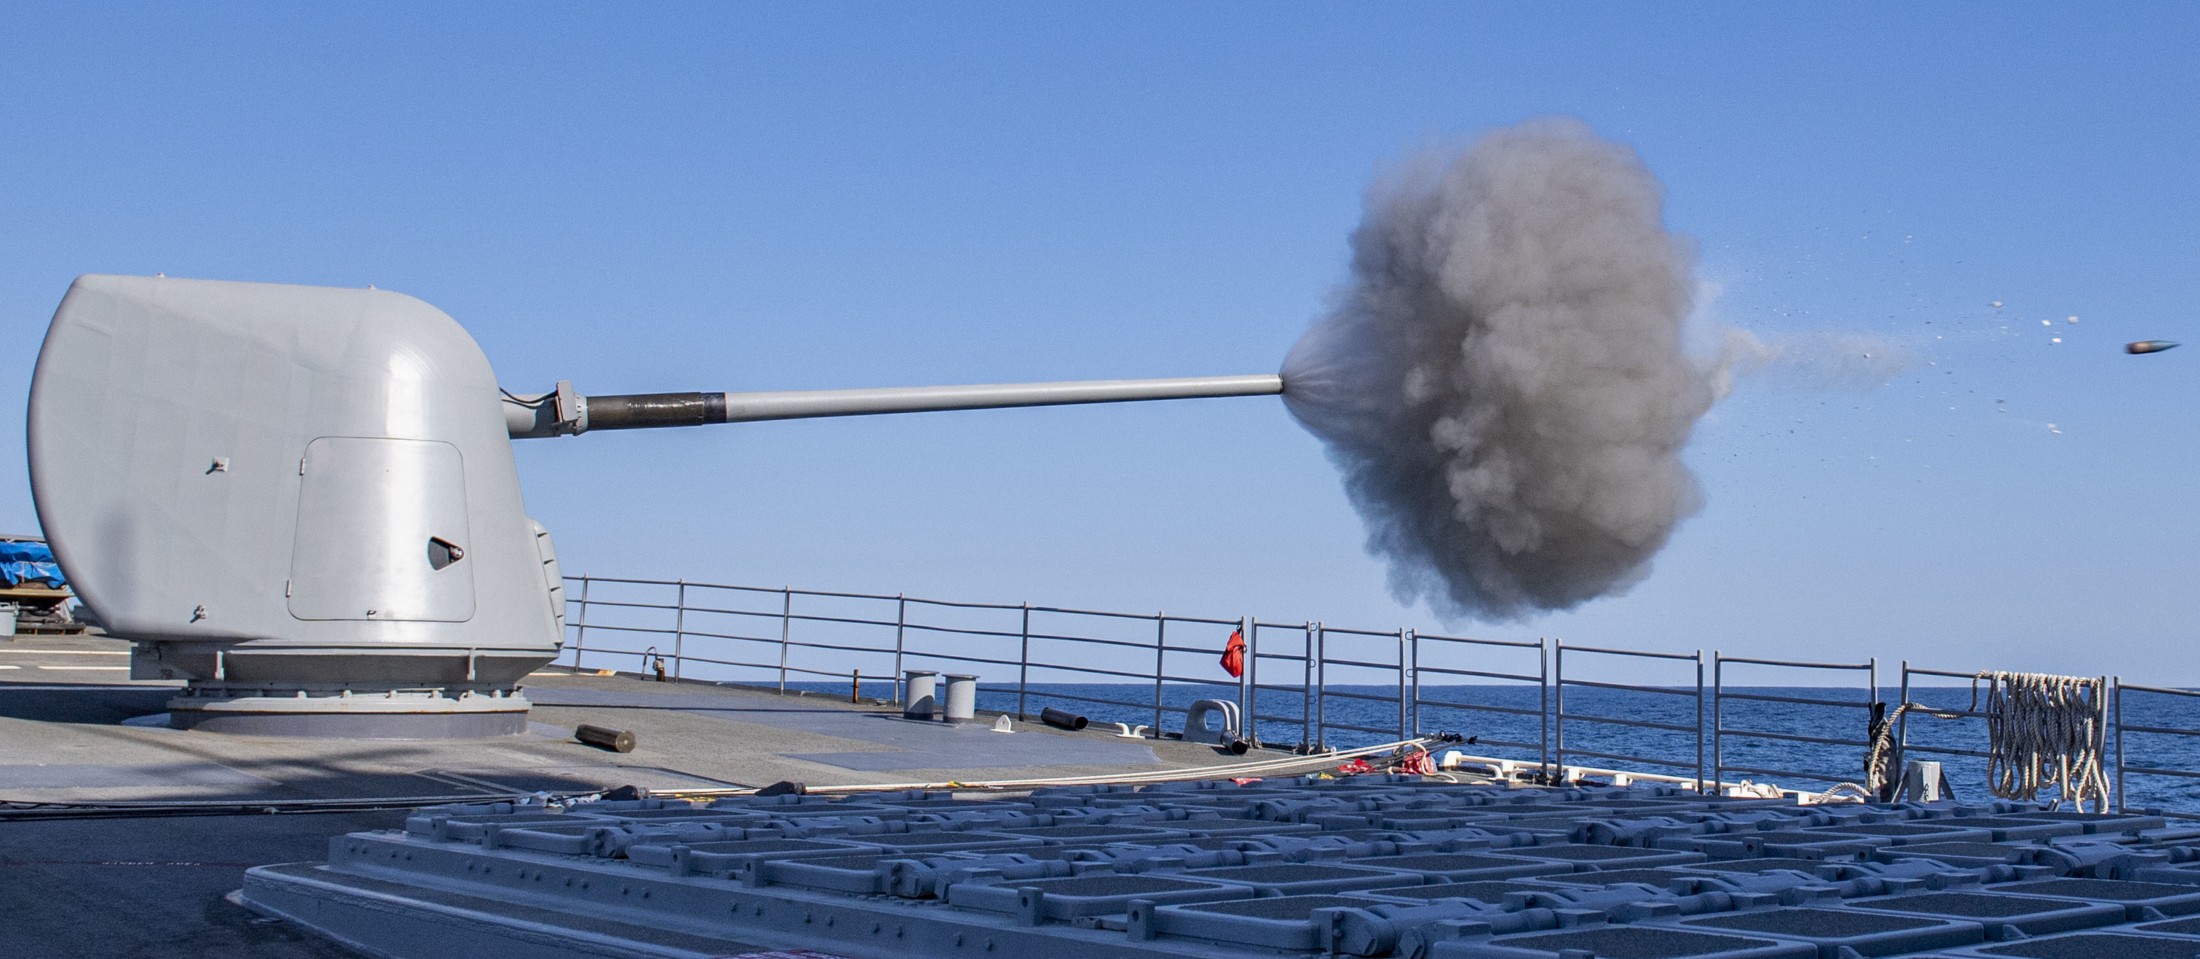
(1818, 358)
(1503, 380)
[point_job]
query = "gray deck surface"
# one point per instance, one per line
(72, 729)
(153, 887)
(893, 743)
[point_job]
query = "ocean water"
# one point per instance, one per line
(1513, 721)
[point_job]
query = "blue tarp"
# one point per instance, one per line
(22, 562)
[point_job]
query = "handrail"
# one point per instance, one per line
(1721, 733)
(1798, 664)
(1804, 700)
(1644, 653)
(1517, 643)
(2125, 766)
(1628, 687)
(1286, 680)
(1560, 715)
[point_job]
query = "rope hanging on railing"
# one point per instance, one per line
(2046, 731)
(2041, 730)
(1879, 771)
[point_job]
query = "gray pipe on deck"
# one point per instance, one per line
(565, 411)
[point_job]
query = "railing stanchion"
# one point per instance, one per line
(1413, 650)
(2100, 745)
(1543, 702)
(1871, 695)
(1902, 729)
(1306, 692)
(901, 624)
(786, 628)
(1023, 664)
(580, 636)
(1558, 708)
(1405, 681)
(1245, 705)
(1160, 660)
(1699, 723)
(1321, 685)
(1718, 717)
(679, 627)
(2119, 699)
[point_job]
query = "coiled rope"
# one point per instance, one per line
(1879, 768)
(2046, 731)
(2041, 730)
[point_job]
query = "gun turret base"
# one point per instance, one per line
(352, 714)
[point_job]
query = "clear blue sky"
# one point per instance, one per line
(750, 196)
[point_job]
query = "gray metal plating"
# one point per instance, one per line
(563, 412)
(291, 497)
(1085, 872)
(287, 493)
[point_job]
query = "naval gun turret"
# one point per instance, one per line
(302, 502)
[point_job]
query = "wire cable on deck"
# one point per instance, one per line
(14, 809)
(1227, 771)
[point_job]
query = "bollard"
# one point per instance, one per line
(604, 737)
(1062, 718)
(1212, 721)
(962, 698)
(923, 688)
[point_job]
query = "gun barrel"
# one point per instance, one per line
(565, 412)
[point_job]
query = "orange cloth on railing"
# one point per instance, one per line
(1233, 654)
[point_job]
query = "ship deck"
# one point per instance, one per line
(163, 842)
(73, 729)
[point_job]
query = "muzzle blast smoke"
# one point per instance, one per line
(1502, 380)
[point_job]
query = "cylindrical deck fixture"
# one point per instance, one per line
(1062, 718)
(962, 698)
(604, 737)
(922, 687)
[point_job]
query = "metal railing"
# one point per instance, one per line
(1835, 711)
(1429, 649)
(1694, 695)
(2107, 713)
(2123, 726)
(1528, 702)
(1258, 649)
(1902, 728)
